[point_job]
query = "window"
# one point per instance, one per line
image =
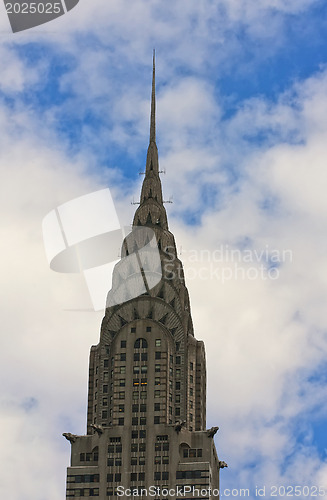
(192, 453)
(140, 343)
(104, 401)
(142, 408)
(110, 478)
(157, 394)
(121, 408)
(144, 369)
(144, 356)
(157, 460)
(141, 460)
(110, 462)
(104, 414)
(144, 381)
(157, 476)
(119, 448)
(135, 434)
(104, 389)
(136, 356)
(191, 404)
(191, 379)
(177, 412)
(123, 356)
(118, 462)
(121, 395)
(170, 410)
(165, 475)
(118, 477)
(178, 344)
(158, 355)
(157, 368)
(133, 461)
(191, 366)
(142, 447)
(178, 398)
(135, 420)
(156, 406)
(82, 457)
(142, 434)
(105, 376)
(191, 391)
(156, 419)
(158, 343)
(157, 381)
(178, 373)
(106, 363)
(165, 446)
(133, 476)
(122, 369)
(157, 446)
(142, 420)
(191, 417)
(136, 369)
(136, 382)
(135, 394)
(121, 421)
(178, 386)
(178, 360)
(141, 476)
(133, 447)
(165, 460)
(123, 344)
(143, 394)
(133, 329)
(122, 382)
(148, 328)
(135, 408)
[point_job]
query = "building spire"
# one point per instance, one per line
(153, 102)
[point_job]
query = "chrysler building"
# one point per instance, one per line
(146, 418)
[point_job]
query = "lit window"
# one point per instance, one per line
(157, 460)
(136, 369)
(143, 394)
(121, 408)
(135, 394)
(122, 369)
(144, 381)
(157, 394)
(136, 382)
(122, 382)
(178, 373)
(165, 460)
(158, 343)
(141, 460)
(121, 395)
(144, 369)
(157, 381)
(157, 368)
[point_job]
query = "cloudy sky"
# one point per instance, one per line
(242, 136)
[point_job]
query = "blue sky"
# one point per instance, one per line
(241, 128)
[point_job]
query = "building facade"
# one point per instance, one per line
(146, 421)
